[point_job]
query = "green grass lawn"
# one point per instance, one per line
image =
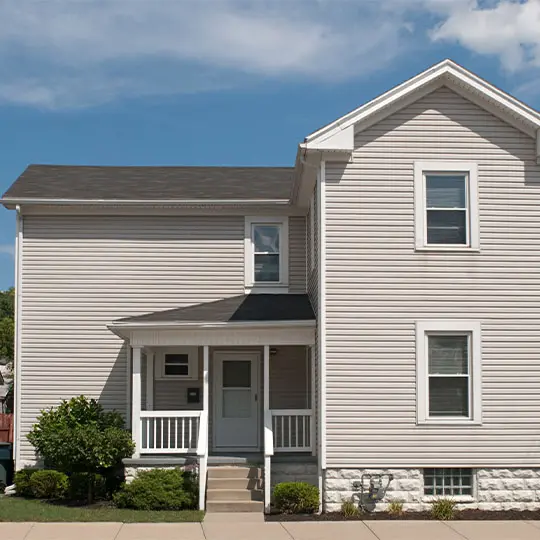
(19, 509)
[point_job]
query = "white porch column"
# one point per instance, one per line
(150, 355)
(268, 440)
(136, 400)
(203, 452)
(312, 426)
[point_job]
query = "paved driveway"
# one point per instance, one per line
(222, 527)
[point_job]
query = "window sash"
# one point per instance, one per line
(442, 376)
(272, 254)
(465, 209)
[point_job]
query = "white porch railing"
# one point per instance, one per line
(292, 430)
(169, 432)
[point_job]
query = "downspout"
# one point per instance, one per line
(18, 336)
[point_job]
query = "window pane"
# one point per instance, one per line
(176, 369)
(448, 355)
(267, 268)
(446, 227)
(236, 374)
(445, 191)
(176, 358)
(266, 238)
(448, 482)
(449, 396)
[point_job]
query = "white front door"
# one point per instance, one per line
(236, 407)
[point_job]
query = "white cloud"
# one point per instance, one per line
(8, 249)
(507, 29)
(73, 53)
(61, 53)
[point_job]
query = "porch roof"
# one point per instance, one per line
(245, 308)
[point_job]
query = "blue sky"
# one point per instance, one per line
(225, 82)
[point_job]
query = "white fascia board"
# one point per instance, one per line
(341, 139)
(445, 70)
(6, 201)
(209, 325)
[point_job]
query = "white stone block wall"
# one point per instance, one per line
(494, 489)
(131, 471)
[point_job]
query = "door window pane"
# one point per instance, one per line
(236, 374)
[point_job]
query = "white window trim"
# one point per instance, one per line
(193, 363)
(312, 232)
(423, 329)
(283, 284)
(466, 167)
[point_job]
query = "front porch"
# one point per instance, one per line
(205, 391)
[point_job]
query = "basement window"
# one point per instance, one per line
(448, 482)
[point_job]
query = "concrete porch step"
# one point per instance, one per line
(234, 472)
(234, 483)
(233, 495)
(235, 506)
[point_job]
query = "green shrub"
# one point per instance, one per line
(443, 509)
(48, 484)
(81, 483)
(395, 508)
(22, 482)
(350, 509)
(296, 498)
(80, 436)
(159, 489)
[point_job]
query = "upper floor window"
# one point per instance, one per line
(446, 206)
(266, 252)
(448, 365)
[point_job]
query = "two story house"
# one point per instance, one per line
(374, 309)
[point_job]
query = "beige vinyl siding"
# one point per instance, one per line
(297, 254)
(82, 272)
(378, 286)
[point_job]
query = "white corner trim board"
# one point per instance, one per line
(321, 208)
(18, 334)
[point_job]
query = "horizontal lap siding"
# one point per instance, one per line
(81, 273)
(378, 286)
(297, 254)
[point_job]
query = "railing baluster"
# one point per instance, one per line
(183, 434)
(176, 433)
(147, 432)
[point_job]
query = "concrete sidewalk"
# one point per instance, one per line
(223, 527)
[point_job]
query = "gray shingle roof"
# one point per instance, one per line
(152, 183)
(243, 308)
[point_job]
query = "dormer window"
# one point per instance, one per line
(266, 252)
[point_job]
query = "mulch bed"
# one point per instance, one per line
(462, 515)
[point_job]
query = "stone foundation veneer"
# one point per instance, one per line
(494, 489)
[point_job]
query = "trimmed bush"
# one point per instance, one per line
(49, 484)
(80, 436)
(22, 482)
(81, 483)
(296, 498)
(159, 489)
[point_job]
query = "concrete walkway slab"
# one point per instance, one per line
(245, 531)
(412, 530)
(234, 517)
(495, 530)
(74, 531)
(161, 531)
(328, 530)
(14, 531)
